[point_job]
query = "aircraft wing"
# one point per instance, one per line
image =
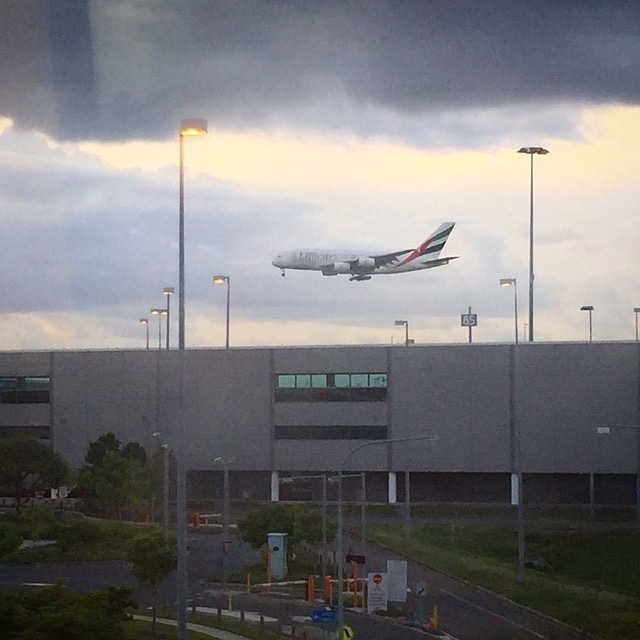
(388, 258)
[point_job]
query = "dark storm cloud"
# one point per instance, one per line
(334, 64)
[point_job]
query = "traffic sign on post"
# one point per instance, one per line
(323, 615)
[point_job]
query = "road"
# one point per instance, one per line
(465, 612)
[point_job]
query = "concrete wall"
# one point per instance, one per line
(479, 400)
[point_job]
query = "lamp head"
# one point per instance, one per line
(401, 323)
(533, 150)
(220, 279)
(193, 127)
(586, 307)
(168, 291)
(144, 320)
(507, 282)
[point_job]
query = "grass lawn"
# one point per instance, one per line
(590, 579)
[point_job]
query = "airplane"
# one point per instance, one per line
(362, 265)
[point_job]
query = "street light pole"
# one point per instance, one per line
(606, 430)
(168, 291)
(165, 484)
(400, 323)
(589, 308)
(225, 514)
(223, 280)
(187, 128)
(531, 151)
(339, 544)
(145, 322)
(159, 313)
(636, 310)
(507, 282)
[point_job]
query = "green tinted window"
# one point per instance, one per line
(378, 380)
(8, 383)
(359, 380)
(39, 382)
(319, 380)
(303, 380)
(342, 380)
(286, 381)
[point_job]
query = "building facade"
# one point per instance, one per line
(451, 423)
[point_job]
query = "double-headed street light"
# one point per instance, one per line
(339, 545)
(405, 323)
(145, 322)
(507, 282)
(531, 151)
(159, 313)
(589, 308)
(168, 291)
(223, 280)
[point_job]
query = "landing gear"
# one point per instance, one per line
(283, 274)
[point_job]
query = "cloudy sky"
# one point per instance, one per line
(337, 124)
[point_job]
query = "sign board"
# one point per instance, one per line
(397, 574)
(377, 592)
(323, 615)
(469, 319)
(347, 632)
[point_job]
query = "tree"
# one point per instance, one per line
(53, 613)
(26, 463)
(152, 558)
(115, 479)
(301, 524)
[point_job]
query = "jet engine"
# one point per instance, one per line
(342, 267)
(366, 263)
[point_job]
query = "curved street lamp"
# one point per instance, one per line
(589, 308)
(223, 280)
(507, 282)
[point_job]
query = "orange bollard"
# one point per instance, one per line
(328, 589)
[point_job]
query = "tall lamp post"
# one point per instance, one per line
(636, 310)
(168, 291)
(223, 280)
(606, 430)
(225, 513)
(339, 545)
(589, 308)
(145, 322)
(400, 323)
(159, 313)
(507, 282)
(531, 151)
(165, 484)
(187, 128)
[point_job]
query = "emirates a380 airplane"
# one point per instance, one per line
(362, 265)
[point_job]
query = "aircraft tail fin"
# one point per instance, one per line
(434, 244)
(430, 249)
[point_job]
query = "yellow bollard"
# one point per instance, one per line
(432, 624)
(229, 602)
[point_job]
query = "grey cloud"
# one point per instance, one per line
(119, 69)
